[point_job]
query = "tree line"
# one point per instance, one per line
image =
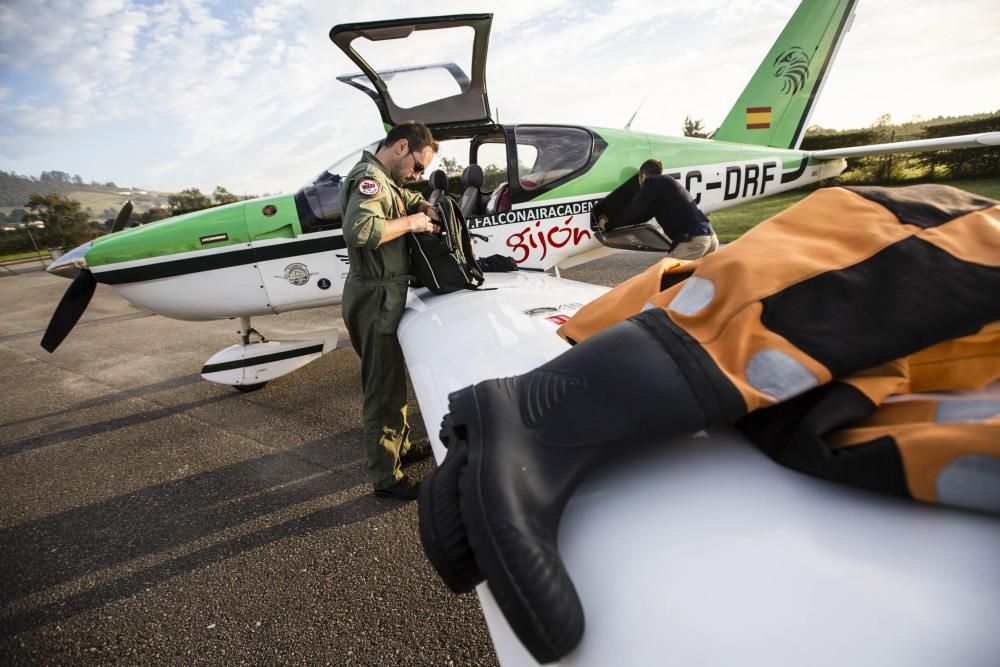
(894, 168)
(16, 188)
(954, 164)
(54, 220)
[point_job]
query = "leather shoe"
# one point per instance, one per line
(406, 488)
(416, 453)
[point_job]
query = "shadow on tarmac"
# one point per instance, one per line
(81, 542)
(59, 437)
(109, 399)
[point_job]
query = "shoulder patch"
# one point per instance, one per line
(369, 187)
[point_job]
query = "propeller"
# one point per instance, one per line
(69, 310)
(123, 216)
(78, 295)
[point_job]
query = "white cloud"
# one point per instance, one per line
(98, 8)
(268, 17)
(247, 97)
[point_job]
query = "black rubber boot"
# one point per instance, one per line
(519, 446)
(445, 539)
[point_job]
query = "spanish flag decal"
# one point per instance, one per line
(758, 118)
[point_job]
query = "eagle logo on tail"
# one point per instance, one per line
(792, 67)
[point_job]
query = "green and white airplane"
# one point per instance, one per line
(276, 254)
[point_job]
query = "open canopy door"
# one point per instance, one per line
(431, 70)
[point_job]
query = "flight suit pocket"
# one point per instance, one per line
(392, 303)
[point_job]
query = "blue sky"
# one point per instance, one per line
(185, 93)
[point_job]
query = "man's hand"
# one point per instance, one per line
(416, 222)
(430, 211)
(421, 222)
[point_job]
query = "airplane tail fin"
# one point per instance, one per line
(775, 106)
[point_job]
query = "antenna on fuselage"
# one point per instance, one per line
(628, 125)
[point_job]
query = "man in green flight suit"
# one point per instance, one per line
(377, 213)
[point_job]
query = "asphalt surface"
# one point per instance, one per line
(148, 516)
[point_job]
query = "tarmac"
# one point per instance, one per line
(148, 516)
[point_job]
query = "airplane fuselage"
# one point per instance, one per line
(256, 257)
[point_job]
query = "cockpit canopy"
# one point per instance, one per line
(546, 157)
(318, 203)
(412, 68)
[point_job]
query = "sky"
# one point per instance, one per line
(167, 95)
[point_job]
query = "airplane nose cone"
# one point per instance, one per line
(69, 265)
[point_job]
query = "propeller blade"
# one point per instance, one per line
(123, 216)
(69, 310)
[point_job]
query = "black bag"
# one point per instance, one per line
(444, 262)
(498, 264)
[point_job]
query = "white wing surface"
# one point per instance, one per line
(706, 552)
(983, 140)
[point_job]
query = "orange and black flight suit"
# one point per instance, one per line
(819, 314)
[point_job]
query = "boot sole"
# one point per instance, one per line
(465, 425)
(442, 530)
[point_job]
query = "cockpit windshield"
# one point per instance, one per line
(342, 166)
(318, 203)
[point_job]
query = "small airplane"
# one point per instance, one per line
(704, 552)
(282, 253)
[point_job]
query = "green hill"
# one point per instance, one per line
(101, 201)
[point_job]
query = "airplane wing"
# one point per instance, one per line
(706, 552)
(981, 140)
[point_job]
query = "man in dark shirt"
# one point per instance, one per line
(663, 198)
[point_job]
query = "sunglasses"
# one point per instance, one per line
(417, 167)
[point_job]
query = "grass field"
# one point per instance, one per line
(98, 201)
(732, 223)
(23, 255)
